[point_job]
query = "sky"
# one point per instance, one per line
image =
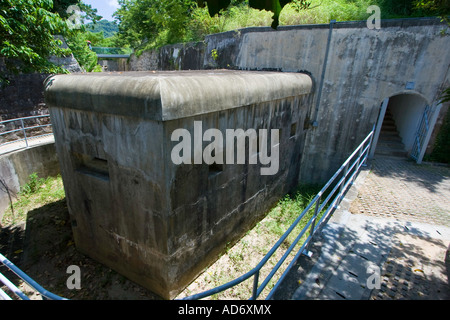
(105, 8)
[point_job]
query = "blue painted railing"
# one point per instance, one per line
(22, 275)
(340, 181)
(20, 127)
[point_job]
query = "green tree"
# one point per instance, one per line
(149, 23)
(216, 6)
(145, 24)
(26, 34)
(27, 29)
(78, 45)
(434, 7)
(109, 28)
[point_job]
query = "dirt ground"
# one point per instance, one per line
(43, 248)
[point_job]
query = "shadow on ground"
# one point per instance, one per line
(44, 249)
(426, 175)
(412, 266)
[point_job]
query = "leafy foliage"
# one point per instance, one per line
(441, 151)
(439, 8)
(147, 24)
(435, 7)
(109, 28)
(216, 6)
(77, 43)
(151, 22)
(26, 32)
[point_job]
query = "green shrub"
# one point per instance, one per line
(33, 185)
(441, 151)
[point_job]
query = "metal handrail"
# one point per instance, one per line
(349, 171)
(421, 132)
(24, 129)
(22, 275)
(112, 51)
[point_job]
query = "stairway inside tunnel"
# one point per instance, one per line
(389, 142)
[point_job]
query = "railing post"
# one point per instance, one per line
(360, 154)
(255, 285)
(369, 147)
(316, 212)
(305, 247)
(341, 188)
(24, 132)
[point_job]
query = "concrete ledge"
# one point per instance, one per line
(171, 95)
(385, 23)
(16, 167)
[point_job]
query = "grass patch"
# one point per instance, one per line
(237, 260)
(251, 249)
(34, 194)
(441, 151)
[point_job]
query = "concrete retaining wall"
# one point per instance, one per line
(351, 80)
(16, 167)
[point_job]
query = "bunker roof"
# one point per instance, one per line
(169, 95)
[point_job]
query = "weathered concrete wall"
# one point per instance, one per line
(187, 56)
(362, 68)
(16, 167)
(132, 207)
(362, 71)
(23, 97)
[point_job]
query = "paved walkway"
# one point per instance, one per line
(401, 189)
(390, 238)
(20, 145)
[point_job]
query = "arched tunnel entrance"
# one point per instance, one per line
(404, 123)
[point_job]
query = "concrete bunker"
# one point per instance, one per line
(132, 208)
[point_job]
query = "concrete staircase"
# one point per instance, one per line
(389, 142)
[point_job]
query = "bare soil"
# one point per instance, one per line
(43, 248)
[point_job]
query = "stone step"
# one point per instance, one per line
(388, 136)
(389, 128)
(389, 142)
(391, 152)
(388, 121)
(391, 146)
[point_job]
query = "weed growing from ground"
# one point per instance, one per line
(34, 194)
(242, 257)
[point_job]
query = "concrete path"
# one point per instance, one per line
(32, 141)
(388, 240)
